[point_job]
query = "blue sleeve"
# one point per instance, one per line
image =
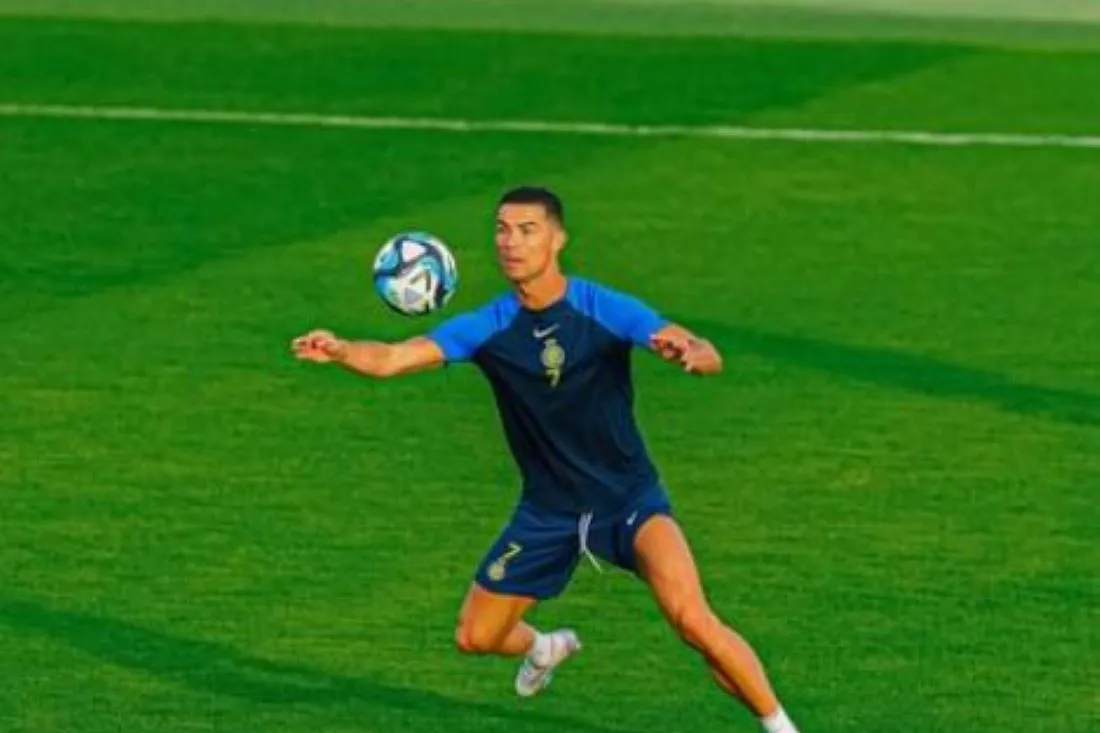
(627, 316)
(461, 336)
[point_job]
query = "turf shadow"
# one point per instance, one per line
(221, 670)
(909, 372)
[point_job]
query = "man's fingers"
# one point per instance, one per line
(669, 346)
(699, 359)
(315, 344)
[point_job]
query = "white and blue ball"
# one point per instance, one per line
(415, 273)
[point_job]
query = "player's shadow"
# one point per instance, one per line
(899, 370)
(220, 670)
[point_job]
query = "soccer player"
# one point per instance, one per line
(556, 350)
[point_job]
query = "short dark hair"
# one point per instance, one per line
(544, 197)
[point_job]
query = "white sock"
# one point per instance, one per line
(541, 649)
(778, 722)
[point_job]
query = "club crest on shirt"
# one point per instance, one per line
(553, 358)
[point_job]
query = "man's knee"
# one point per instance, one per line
(473, 638)
(695, 623)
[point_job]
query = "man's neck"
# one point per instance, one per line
(543, 291)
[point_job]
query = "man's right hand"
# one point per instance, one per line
(319, 346)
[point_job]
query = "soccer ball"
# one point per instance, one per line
(415, 273)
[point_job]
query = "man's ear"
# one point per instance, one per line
(561, 239)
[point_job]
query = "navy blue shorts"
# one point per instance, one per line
(537, 552)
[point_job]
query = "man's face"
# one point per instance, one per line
(527, 241)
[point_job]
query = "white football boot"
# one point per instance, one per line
(533, 678)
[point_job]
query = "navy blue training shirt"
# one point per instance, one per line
(562, 382)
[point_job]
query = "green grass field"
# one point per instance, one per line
(891, 491)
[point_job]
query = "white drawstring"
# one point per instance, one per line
(582, 529)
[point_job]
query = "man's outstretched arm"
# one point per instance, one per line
(370, 358)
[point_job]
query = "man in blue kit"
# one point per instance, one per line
(556, 350)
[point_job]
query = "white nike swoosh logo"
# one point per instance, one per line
(539, 333)
(630, 520)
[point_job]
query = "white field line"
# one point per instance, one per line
(729, 132)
